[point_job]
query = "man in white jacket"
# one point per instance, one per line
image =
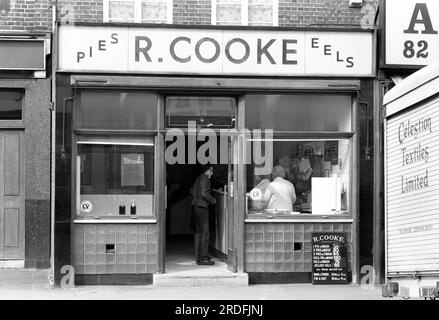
(280, 192)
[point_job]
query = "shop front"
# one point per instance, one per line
(140, 108)
(24, 173)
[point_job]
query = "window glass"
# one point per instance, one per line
(117, 110)
(260, 12)
(121, 11)
(154, 11)
(317, 170)
(11, 104)
(111, 176)
(210, 112)
(299, 112)
(146, 11)
(228, 12)
(245, 12)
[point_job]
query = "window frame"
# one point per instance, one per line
(82, 139)
(14, 123)
(138, 11)
(244, 13)
(350, 136)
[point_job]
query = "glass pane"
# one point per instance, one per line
(211, 112)
(299, 112)
(116, 175)
(121, 10)
(228, 14)
(308, 176)
(154, 11)
(117, 110)
(260, 2)
(260, 15)
(11, 104)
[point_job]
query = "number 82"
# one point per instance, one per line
(410, 52)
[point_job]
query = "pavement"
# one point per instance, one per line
(30, 284)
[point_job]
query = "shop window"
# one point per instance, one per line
(116, 110)
(208, 112)
(139, 11)
(299, 112)
(115, 178)
(245, 12)
(304, 165)
(319, 171)
(11, 104)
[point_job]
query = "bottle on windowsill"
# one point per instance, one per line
(133, 208)
(122, 208)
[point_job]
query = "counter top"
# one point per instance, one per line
(121, 220)
(298, 217)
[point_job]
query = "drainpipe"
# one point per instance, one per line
(54, 51)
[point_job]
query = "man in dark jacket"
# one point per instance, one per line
(200, 203)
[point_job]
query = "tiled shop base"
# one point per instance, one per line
(114, 248)
(285, 247)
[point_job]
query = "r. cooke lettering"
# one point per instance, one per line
(143, 45)
(328, 238)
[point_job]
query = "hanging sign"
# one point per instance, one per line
(216, 51)
(329, 258)
(411, 33)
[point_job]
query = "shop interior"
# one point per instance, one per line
(204, 112)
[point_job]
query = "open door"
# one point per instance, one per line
(230, 194)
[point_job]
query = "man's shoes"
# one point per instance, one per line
(205, 262)
(207, 258)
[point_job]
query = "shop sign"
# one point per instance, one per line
(329, 258)
(412, 168)
(216, 51)
(411, 32)
(22, 54)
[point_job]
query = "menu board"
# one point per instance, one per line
(329, 258)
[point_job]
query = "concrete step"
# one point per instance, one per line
(208, 280)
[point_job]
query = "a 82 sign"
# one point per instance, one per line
(410, 51)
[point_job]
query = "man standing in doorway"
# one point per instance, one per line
(200, 204)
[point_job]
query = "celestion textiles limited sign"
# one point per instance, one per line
(215, 51)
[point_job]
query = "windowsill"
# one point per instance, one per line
(300, 217)
(115, 219)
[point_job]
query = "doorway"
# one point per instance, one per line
(202, 112)
(180, 254)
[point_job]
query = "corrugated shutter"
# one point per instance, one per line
(412, 173)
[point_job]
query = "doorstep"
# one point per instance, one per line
(208, 280)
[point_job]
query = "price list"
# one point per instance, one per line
(329, 258)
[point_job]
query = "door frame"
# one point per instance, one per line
(237, 263)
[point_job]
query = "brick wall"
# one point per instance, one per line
(317, 13)
(82, 11)
(292, 13)
(192, 12)
(25, 15)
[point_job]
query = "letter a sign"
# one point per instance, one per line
(411, 33)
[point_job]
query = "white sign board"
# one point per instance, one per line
(412, 193)
(215, 51)
(411, 32)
